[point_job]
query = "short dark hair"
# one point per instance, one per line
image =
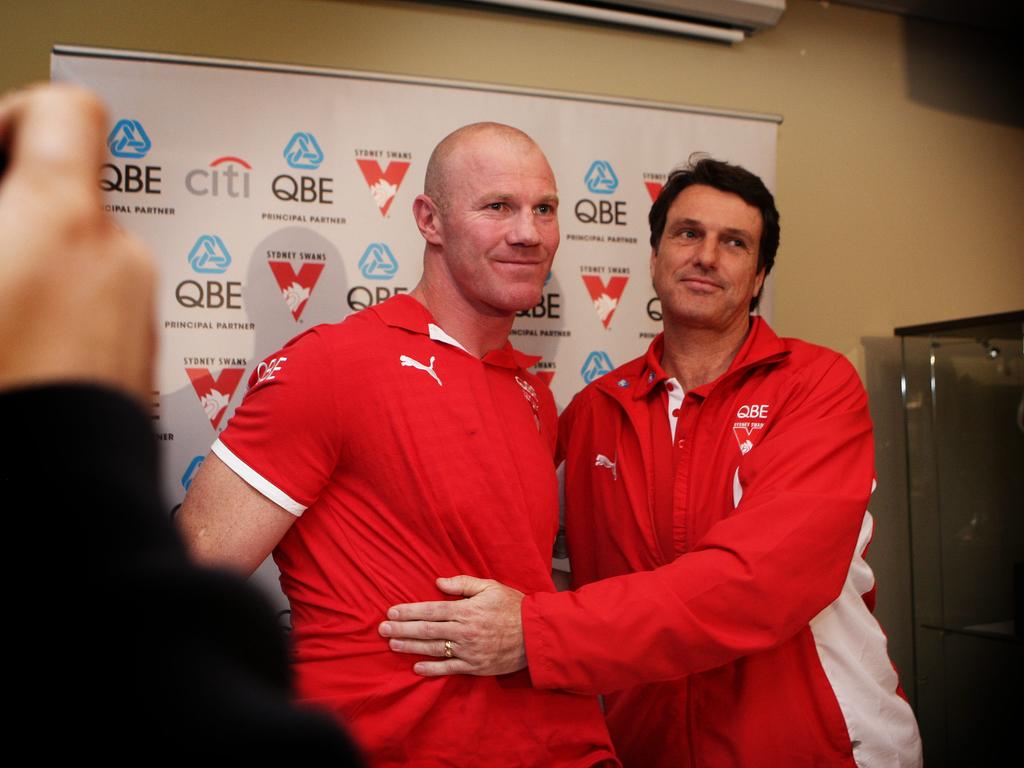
(726, 178)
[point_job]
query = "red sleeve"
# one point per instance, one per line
(284, 438)
(755, 579)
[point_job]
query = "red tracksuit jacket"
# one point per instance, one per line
(752, 643)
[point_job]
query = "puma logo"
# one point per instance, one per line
(603, 461)
(405, 360)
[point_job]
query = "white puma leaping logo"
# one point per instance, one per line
(405, 360)
(603, 461)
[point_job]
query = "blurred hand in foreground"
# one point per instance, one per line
(76, 292)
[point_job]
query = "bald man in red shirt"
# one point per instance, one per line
(406, 441)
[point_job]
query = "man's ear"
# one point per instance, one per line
(428, 219)
(654, 255)
(759, 282)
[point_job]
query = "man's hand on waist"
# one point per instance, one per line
(480, 635)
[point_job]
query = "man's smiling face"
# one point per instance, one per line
(705, 266)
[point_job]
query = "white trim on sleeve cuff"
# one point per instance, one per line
(256, 480)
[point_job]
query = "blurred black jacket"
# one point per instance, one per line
(123, 647)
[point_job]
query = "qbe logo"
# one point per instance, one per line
(601, 179)
(267, 371)
(209, 256)
(190, 472)
(654, 309)
(129, 140)
(215, 392)
(596, 365)
(752, 423)
(383, 184)
(303, 153)
(606, 296)
(378, 262)
(549, 306)
(227, 175)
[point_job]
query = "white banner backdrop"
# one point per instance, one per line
(277, 198)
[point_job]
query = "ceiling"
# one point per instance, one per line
(990, 14)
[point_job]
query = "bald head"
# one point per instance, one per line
(438, 182)
(489, 217)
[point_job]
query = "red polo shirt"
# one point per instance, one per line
(407, 458)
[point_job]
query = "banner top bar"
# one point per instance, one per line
(201, 61)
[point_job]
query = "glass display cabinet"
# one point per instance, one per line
(963, 402)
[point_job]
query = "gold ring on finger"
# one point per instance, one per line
(448, 649)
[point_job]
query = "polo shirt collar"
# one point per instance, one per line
(652, 374)
(760, 346)
(436, 332)
(403, 311)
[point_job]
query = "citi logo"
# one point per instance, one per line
(303, 152)
(596, 365)
(190, 473)
(225, 176)
(377, 262)
(129, 139)
(209, 256)
(601, 178)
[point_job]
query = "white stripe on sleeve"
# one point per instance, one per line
(256, 480)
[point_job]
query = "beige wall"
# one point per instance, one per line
(900, 174)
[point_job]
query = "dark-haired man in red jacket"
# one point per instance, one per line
(716, 509)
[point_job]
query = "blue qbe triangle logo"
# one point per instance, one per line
(596, 365)
(377, 262)
(601, 178)
(129, 139)
(209, 255)
(303, 152)
(190, 473)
